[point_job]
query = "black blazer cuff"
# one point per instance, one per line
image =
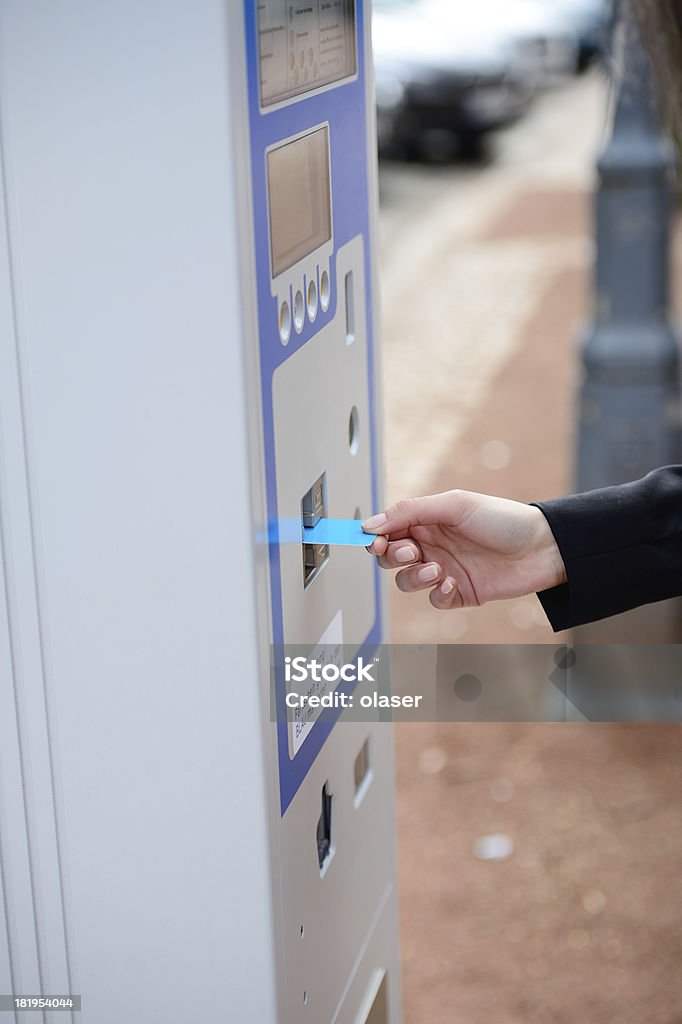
(621, 546)
(556, 604)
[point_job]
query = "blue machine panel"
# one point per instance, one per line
(341, 106)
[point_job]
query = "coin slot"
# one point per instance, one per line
(354, 431)
(350, 308)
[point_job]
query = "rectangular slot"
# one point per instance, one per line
(362, 772)
(323, 833)
(314, 508)
(315, 557)
(375, 1007)
(350, 308)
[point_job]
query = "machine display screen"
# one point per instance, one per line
(304, 45)
(300, 199)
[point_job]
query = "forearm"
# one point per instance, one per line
(621, 546)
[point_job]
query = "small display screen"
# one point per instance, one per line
(304, 45)
(300, 199)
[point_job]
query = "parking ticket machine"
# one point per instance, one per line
(188, 366)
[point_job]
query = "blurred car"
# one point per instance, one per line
(543, 32)
(390, 101)
(461, 83)
(590, 21)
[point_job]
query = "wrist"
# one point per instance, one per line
(549, 565)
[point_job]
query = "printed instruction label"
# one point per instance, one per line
(329, 651)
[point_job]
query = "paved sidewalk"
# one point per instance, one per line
(514, 435)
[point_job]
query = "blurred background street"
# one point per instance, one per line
(485, 274)
(570, 913)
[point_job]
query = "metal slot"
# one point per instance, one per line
(375, 1006)
(314, 508)
(315, 557)
(323, 833)
(362, 772)
(350, 308)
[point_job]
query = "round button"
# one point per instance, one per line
(312, 301)
(325, 291)
(284, 322)
(299, 312)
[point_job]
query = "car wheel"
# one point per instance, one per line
(472, 145)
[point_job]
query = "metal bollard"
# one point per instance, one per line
(629, 408)
(630, 396)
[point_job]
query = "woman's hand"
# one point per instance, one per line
(467, 548)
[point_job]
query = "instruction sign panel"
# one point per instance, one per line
(304, 45)
(329, 651)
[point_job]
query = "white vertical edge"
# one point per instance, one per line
(32, 709)
(11, 825)
(28, 776)
(254, 426)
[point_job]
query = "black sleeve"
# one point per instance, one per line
(622, 547)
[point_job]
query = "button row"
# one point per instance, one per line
(302, 306)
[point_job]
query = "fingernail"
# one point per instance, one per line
(447, 587)
(374, 522)
(429, 573)
(405, 555)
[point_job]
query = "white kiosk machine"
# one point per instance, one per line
(187, 362)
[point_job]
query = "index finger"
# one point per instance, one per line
(427, 511)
